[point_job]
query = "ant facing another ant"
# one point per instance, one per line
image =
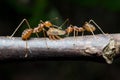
(54, 31)
(86, 27)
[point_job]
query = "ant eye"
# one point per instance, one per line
(48, 24)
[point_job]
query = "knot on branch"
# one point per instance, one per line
(109, 51)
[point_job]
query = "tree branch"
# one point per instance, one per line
(102, 48)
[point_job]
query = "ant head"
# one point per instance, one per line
(47, 23)
(70, 26)
(89, 27)
(69, 29)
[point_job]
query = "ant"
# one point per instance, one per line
(86, 27)
(53, 30)
(41, 27)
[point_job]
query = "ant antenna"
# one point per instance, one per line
(97, 26)
(41, 21)
(54, 18)
(24, 20)
(50, 19)
(60, 27)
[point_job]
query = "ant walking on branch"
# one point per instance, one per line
(86, 27)
(53, 31)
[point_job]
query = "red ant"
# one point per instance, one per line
(53, 31)
(86, 27)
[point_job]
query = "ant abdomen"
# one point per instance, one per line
(26, 34)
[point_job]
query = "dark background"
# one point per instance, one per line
(106, 13)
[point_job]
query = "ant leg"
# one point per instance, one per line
(67, 34)
(56, 26)
(60, 27)
(37, 35)
(45, 37)
(26, 48)
(57, 37)
(63, 23)
(49, 37)
(53, 37)
(24, 20)
(97, 26)
(76, 33)
(82, 33)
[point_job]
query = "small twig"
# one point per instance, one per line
(85, 47)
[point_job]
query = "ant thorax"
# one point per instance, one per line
(39, 28)
(80, 29)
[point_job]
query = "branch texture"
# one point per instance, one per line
(101, 47)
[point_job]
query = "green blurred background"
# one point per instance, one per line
(106, 13)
